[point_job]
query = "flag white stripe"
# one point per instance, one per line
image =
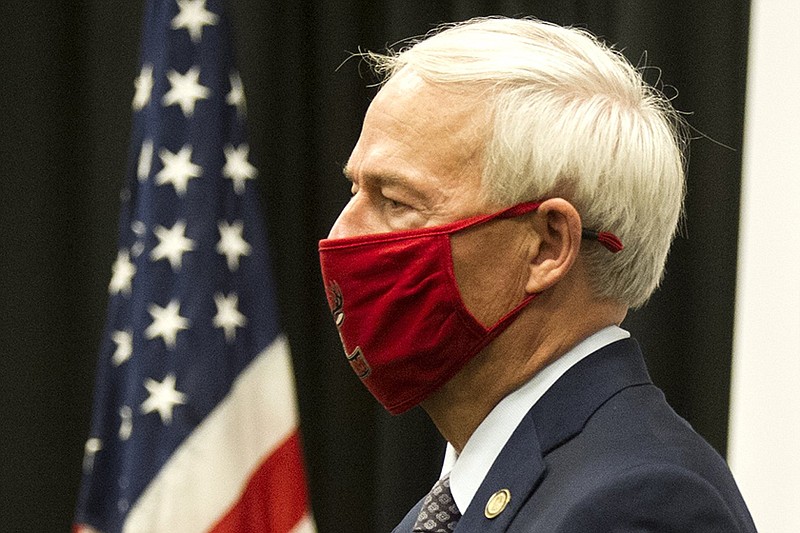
(207, 473)
(764, 435)
(305, 525)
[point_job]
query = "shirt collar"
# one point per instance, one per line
(468, 469)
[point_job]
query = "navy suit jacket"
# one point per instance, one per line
(602, 451)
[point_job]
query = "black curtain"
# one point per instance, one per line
(67, 71)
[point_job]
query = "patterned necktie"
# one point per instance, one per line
(439, 513)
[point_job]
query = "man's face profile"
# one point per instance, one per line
(418, 164)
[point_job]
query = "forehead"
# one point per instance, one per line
(428, 134)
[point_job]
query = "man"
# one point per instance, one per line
(516, 187)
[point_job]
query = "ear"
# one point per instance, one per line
(558, 227)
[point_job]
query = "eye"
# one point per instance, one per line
(395, 205)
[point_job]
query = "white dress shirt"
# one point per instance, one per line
(468, 469)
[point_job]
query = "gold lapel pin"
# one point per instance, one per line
(497, 503)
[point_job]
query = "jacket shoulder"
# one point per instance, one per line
(635, 465)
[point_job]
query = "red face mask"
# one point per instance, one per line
(402, 321)
(395, 300)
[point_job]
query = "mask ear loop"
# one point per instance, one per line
(606, 238)
(610, 241)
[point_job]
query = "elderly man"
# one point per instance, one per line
(516, 187)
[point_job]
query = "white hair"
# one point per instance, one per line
(572, 118)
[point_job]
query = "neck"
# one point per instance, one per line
(517, 355)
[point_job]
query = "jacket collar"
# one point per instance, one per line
(557, 417)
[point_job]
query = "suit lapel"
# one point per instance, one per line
(558, 416)
(517, 469)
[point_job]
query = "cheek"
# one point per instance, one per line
(490, 269)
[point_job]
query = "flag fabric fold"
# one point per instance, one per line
(194, 424)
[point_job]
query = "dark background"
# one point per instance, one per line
(67, 84)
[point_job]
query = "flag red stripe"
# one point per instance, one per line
(83, 528)
(275, 498)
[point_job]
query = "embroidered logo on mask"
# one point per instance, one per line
(358, 363)
(356, 359)
(337, 309)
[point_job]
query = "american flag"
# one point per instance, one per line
(195, 423)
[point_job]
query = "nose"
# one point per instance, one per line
(355, 219)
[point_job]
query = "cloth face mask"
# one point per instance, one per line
(400, 315)
(402, 321)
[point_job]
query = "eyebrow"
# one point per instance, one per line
(380, 180)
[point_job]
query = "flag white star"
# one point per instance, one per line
(193, 16)
(125, 422)
(231, 243)
(122, 272)
(144, 87)
(228, 316)
(178, 169)
(237, 168)
(145, 160)
(167, 321)
(163, 398)
(172, 244)
(137, 248)
(93, 445)
(185, 90)
(236, 96)
(124, 342)
(140, 230)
